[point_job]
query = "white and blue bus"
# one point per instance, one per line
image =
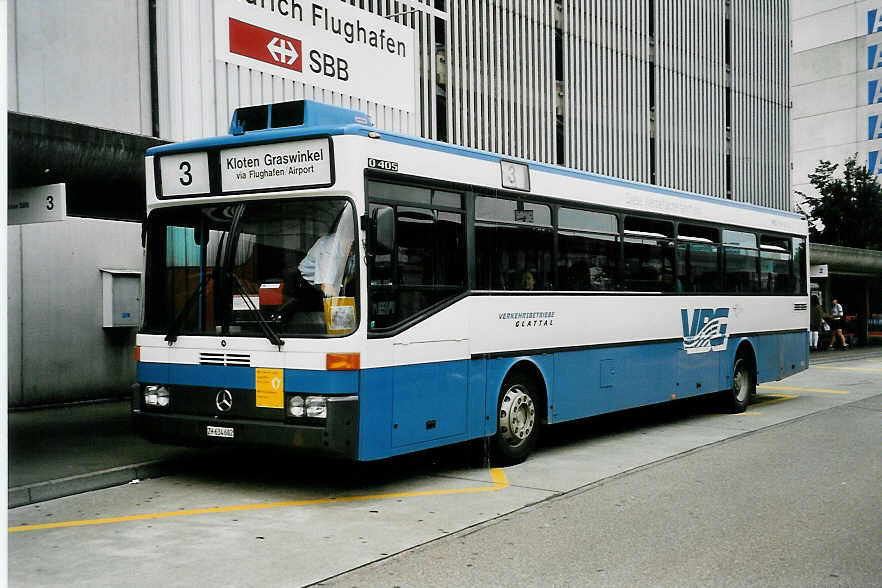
(315, 283)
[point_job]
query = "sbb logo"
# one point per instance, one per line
(328, 65)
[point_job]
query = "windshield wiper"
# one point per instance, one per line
(172, 335)
(264, 325)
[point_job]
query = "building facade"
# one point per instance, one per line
(837, 85)
(688, 94)
(836, 74)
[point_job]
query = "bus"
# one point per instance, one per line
(312, 282)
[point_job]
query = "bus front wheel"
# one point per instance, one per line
(743, 385)
(517, 420)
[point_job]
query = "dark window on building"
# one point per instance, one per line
(649, 255)
(698, 259)
(513, 245)
(588, 250)
(428, 263)
(740, 256)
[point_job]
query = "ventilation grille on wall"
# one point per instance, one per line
(800, 306)
(240, 359)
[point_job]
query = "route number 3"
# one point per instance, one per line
(50, 203)
(186, 177)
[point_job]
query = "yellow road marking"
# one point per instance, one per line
(767, 399)
(500, 481)
(855, 369)
(795, 389)
(761, 400)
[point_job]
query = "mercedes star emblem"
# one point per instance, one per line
(224, 401)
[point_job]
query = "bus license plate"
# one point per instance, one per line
(220, 432)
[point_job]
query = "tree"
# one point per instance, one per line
(847, 211)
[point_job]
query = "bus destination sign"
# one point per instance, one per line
(255, 168)
(276, 165)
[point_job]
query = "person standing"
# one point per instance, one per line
(838, 318)
(816, 321)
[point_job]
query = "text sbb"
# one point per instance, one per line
(328, 65)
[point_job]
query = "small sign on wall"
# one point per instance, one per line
(819, 271)
(41, 204)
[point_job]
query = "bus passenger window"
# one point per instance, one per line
(588, 250)
(416, 245)
(698, 263)
(512, 239)
(649, 255)
(740, 256)
(775, 261)
(799, 269)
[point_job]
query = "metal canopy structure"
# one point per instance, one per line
(847, 260)
(102, 169)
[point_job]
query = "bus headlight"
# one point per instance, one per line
(295, 406)
(156, 396)
(316, 407)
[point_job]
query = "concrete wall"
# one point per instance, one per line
(58, 350)
(86, 61)
(830, 79)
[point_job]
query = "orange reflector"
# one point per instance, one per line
(343, 361)
(136, 353)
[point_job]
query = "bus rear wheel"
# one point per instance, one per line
(743, 385)
(517, 420)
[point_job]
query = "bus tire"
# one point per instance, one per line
(743, 384)
(517, 420)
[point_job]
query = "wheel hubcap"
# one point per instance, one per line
(517, 415)
(741, 383)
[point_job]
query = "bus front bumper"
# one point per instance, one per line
(339, 436)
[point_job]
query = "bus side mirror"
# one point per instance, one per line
(382, 230)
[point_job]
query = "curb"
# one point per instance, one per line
(42, 491)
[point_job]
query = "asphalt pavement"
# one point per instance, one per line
(63, 450)
(796, 504)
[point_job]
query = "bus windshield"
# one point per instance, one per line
(268, 267)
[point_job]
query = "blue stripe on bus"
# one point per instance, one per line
(410, 408)
(341, 382)
(415, 407)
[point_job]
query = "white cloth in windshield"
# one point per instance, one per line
(325, 262)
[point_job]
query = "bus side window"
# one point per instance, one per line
(698, 260)
(775, 262)
(740, 257)
(427, 264)
(588, 250)
(513, 244)
(799, 269)
(649, 255)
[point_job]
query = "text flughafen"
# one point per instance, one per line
(350, 31)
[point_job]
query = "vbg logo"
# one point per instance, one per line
(707, 330)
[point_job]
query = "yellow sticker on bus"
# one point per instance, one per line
(269, 385)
